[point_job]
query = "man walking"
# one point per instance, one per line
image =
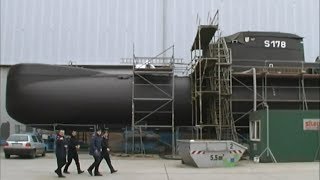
(73, 146)
(95, 151)
(60, 152)
(106, 150)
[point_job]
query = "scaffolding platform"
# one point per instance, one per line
(152, 95)
(204, 35)
(211, 81)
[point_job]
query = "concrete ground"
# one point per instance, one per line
(154, 168)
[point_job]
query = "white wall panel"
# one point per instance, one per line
(103, 31)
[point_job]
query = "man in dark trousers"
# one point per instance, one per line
(60, 152)
(106, 150)
(95, 151)
(73, 146)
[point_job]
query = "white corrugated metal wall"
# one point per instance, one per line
(103, 31)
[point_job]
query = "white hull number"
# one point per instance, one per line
(275, 44)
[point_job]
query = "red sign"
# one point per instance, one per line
(311, 124)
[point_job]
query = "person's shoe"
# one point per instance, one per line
(97, 174)
(56, 171)
(59, 175)
(114, 171)
(80, 172)
(90, 172)
(66, 172)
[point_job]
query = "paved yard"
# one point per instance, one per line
(42, 168)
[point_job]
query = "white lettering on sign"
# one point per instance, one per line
(275, 44)
(311, 124)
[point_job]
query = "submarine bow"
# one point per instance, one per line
(49, 94)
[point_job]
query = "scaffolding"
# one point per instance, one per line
(211, 82)
(265, 90)
(153, 88)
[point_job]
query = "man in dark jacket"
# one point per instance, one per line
(60, 152)
(106, 150)
(95, 151)
(73, 145)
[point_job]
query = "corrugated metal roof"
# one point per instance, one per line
(102, 32)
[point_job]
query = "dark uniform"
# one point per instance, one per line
(60, 154)
(106, 155)
(95, 151)
(73, 154)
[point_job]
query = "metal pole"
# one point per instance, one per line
(268, 139)
(200, 77)
(254, 89)
(200, 93)
(266, 88)
(196, 99)
(192, 96)
(219, 95)
(266, 105)
(267, 149)
(164, 25)
(200, 88)
(172, 115)
(132, 101)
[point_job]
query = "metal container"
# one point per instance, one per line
(209, 153)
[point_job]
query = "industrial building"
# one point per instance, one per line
(227, 76)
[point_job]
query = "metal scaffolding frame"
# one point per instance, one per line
(263, 72)
(146, 72)
(212, 85)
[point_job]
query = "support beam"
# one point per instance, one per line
(254, 89)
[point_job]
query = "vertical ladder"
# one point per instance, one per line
(225, 128)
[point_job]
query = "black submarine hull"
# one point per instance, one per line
(49, 94)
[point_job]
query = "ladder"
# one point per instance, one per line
(225, 129)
